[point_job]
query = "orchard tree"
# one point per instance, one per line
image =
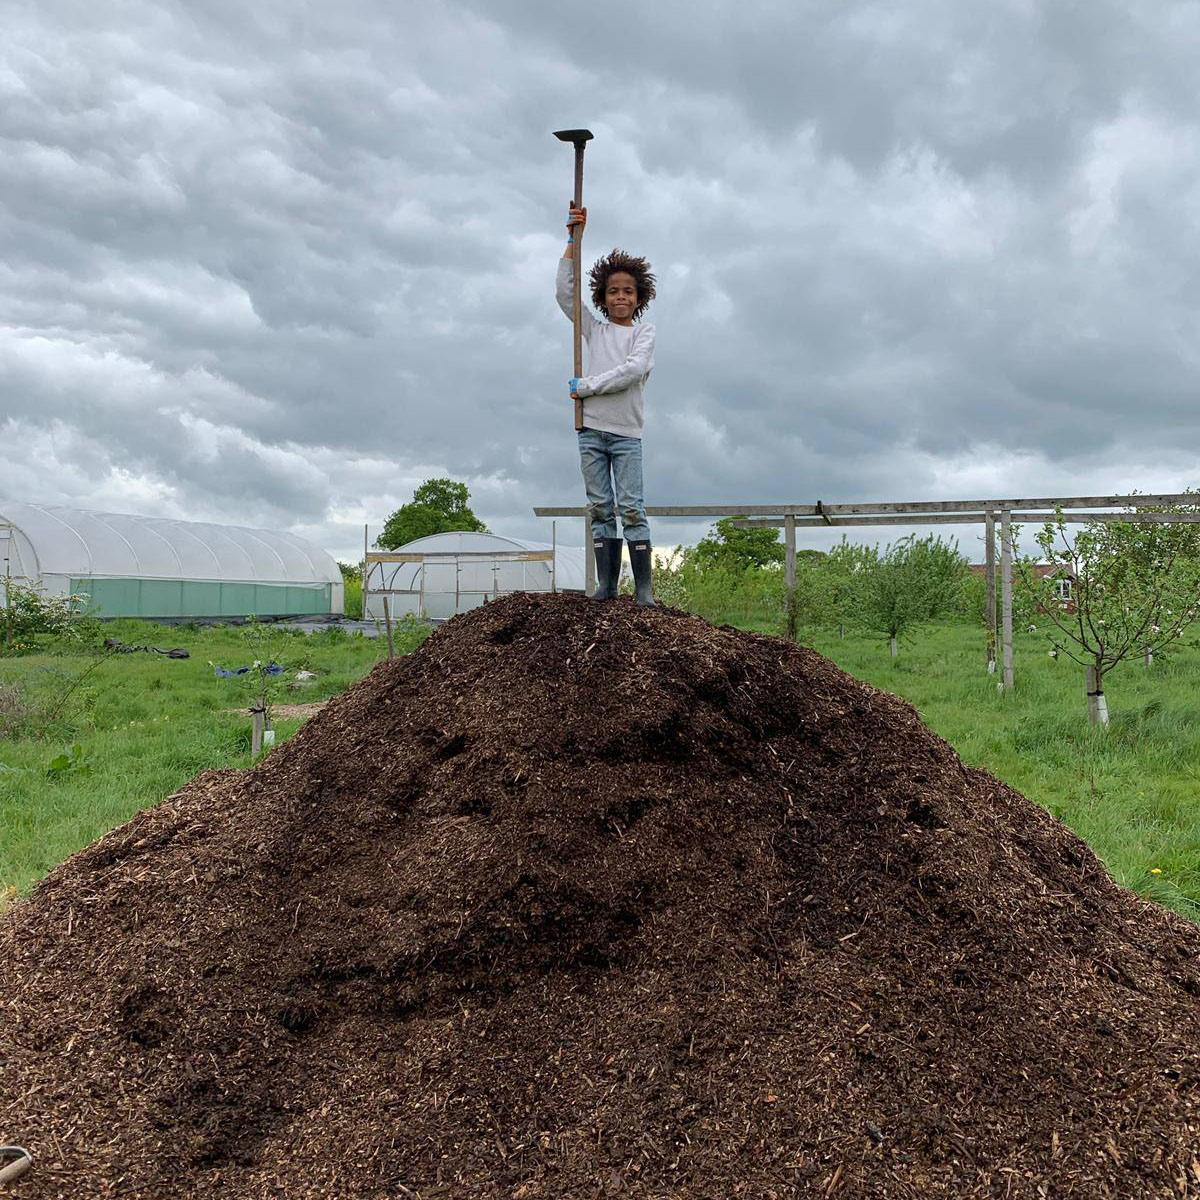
(437, 506)
(727, 546)
(845, 573)
(914, 581)
(1135, 588)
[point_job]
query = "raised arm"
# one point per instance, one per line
(565, 281)
(637, 365)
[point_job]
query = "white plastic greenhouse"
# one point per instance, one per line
(448, 573)
(154, 567)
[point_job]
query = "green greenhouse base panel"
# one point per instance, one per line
(195, 598)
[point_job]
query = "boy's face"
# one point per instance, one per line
(620, 297)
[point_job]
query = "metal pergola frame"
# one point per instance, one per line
(1038, 510)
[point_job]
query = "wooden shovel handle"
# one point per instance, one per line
(577, 298)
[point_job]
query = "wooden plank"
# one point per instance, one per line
(589, 556)
(990, 601)
(1036, 518)
(387, 622)
(890, 507)
(366, 587)
(1006, 613)
(952, 506)
(698, 510)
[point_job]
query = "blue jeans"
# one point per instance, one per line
(612, 464)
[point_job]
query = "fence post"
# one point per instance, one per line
(365, 586)
(589, 558)
(789, 537)
(1006, 596)
(990, 576)
(387, 621)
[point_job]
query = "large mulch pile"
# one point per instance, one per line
(582, 900)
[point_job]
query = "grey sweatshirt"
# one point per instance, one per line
(620, 359)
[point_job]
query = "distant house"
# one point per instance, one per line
(1063, 580)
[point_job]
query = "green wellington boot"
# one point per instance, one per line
(608, 567)
(639, 557)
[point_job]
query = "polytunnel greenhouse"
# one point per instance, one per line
(132, 566)
(448, 573)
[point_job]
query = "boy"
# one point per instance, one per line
(620, 358)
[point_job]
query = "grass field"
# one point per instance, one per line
(1131, 792)
(145, 725)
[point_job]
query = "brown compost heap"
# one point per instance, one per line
(583, 900)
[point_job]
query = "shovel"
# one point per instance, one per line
(580, 137)
(14, 1170)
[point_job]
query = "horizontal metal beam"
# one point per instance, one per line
(1039, 518)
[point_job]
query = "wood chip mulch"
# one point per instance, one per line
(582, 900)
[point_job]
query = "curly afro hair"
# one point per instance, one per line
(609, 265)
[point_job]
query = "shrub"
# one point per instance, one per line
(31, 613)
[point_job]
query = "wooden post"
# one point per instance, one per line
(387, 623)
(1006, 596)
(789, 538)
(365, 588)
(589, 559)
(554, 557)
(990, 601)
(257, 716)
(8, 612)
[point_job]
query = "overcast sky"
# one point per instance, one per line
(277, 263)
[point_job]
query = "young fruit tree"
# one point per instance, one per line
(914, 581)
(844, 575)
(1134, 589)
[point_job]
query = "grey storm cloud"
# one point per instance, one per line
(278, 263)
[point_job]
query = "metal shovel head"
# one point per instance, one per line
(578, 136)
(12, 1171)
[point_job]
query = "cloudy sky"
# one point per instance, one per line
(277, 263)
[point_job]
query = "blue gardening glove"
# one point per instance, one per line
(573, 387)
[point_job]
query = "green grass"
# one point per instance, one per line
(146, 725)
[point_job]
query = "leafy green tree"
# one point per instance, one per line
(352, 589)
(1135, 588)
(916, 580)
(724, 545)
(437, 506)
(847, 569)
